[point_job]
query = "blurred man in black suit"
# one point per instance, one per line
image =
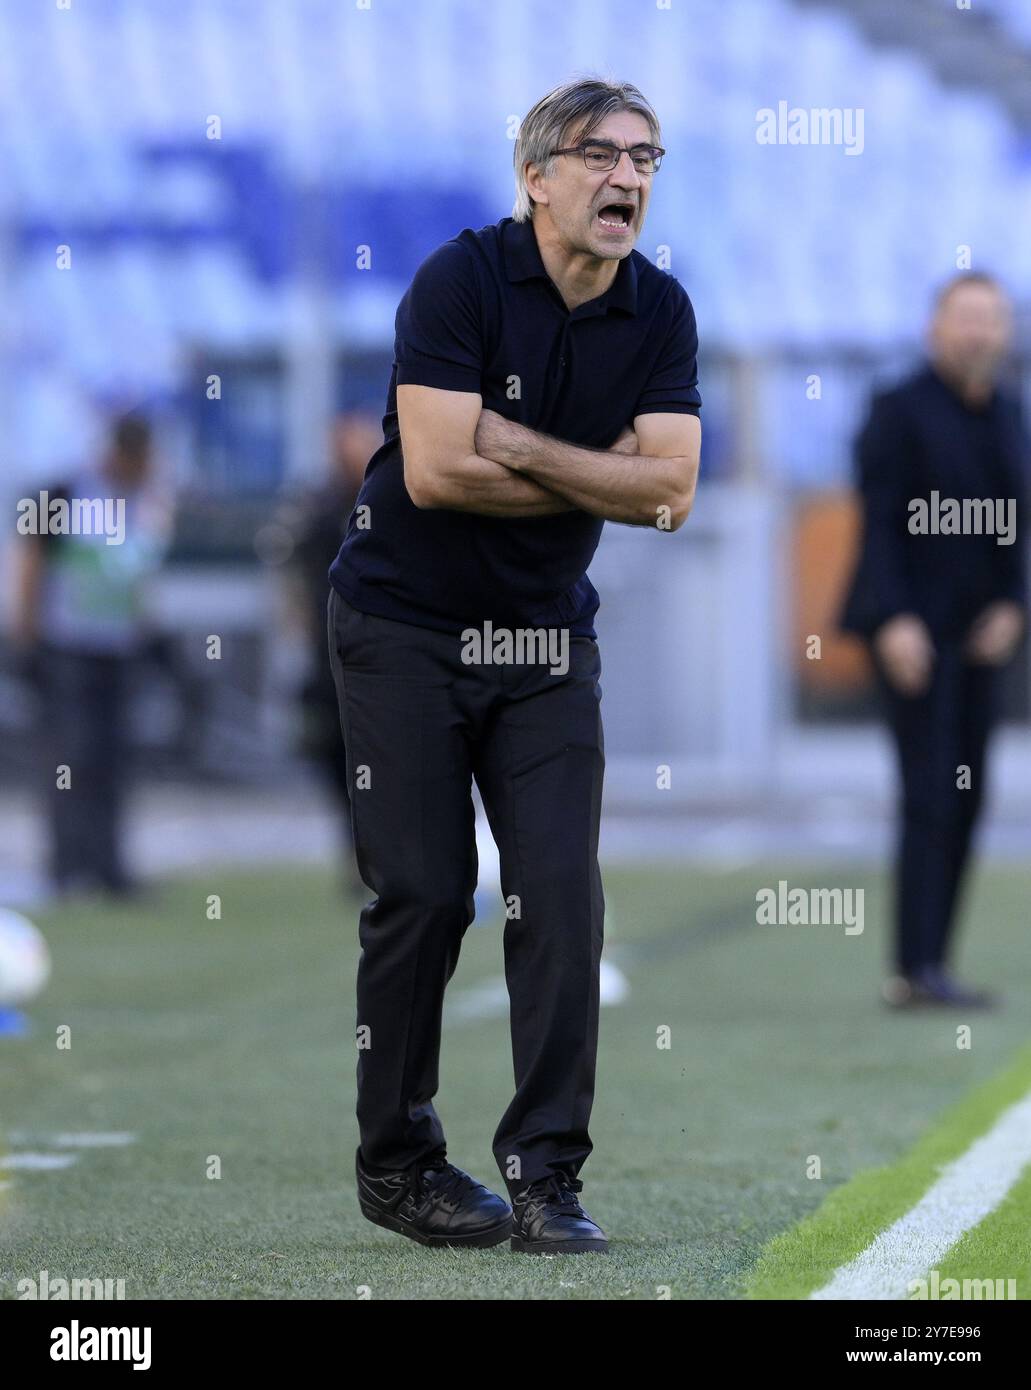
(940, 594)
(317, 523)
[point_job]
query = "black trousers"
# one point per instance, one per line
(418, 726)
(937, 735)
(84, 706)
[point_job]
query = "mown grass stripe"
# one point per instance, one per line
(968, 1191)
(803, 1259)
(1000, 1248)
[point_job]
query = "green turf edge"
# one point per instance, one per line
(999, 1247)
(802, 1259)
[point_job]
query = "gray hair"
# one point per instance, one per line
(567, 115)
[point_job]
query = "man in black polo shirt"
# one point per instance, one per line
(940, 593)
(544, 381)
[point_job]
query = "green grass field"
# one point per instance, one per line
(234, 1038)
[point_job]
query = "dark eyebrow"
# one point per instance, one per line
(611, 144)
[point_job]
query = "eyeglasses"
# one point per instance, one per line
(601, 156)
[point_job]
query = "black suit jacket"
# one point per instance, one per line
(921, 437)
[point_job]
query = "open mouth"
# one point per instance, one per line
(618, 217)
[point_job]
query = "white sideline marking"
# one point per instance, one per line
(490, 999)
(38, 1161)
(94, 1140)
(970, 1187)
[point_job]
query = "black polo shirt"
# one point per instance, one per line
(482, 314)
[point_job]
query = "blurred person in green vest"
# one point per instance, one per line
(83, 567)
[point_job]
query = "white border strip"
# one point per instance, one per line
(969, 1189)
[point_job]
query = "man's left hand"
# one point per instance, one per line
(626, 443)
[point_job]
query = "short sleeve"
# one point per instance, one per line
(673, 385)
(438, 339)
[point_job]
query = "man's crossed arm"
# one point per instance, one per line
(459, 456)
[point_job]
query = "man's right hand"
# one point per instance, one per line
(994, 635)
(907, 653)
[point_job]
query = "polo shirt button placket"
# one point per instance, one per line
(562, 354)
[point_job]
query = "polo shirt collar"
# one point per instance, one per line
(523, 262)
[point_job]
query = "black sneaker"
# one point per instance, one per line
(547, 1219)
(434, 1203)
(933, 987)
(941, 988)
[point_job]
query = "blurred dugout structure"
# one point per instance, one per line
(244, 286)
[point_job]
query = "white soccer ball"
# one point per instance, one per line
(24, 959)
